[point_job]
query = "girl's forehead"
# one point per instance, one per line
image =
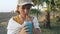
(27, 5)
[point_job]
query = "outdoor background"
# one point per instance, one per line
(47, 12)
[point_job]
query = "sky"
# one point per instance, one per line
(10, 5)
(7, 5)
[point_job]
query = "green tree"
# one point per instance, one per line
(51, 8)
(35, 12)
(37, 2)
(47, 23)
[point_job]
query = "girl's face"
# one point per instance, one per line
(24, 10)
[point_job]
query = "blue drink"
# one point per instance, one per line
(29, 24)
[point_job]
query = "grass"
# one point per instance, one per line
(55, 29)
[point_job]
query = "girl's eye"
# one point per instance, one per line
(28, 7)
(23, 7)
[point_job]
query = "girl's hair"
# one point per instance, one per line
(17, 9)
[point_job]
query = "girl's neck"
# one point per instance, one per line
(22, 16)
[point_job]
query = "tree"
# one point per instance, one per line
(35, 12)
(51, 8)
(37, 2)
(47, 23)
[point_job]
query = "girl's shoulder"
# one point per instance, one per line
(12, 24)
(16, 18)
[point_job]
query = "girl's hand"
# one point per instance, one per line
(24, 31)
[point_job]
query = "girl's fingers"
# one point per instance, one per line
(27, 32)
(24, 28)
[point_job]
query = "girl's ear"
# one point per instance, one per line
(17, 7)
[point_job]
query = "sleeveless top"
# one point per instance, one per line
(14, 27)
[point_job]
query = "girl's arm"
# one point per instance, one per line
(36, 31)
(36, 28)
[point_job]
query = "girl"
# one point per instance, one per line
(16, 23)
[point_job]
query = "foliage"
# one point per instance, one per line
(35, 11)
(37, 2)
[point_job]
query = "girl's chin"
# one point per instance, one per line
(25, 14)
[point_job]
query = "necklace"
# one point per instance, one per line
(21, 18)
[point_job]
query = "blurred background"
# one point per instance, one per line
(47, 12)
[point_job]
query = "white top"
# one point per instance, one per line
(14, 27)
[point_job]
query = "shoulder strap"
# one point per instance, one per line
(16, 18)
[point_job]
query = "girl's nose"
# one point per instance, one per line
(26, 10)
